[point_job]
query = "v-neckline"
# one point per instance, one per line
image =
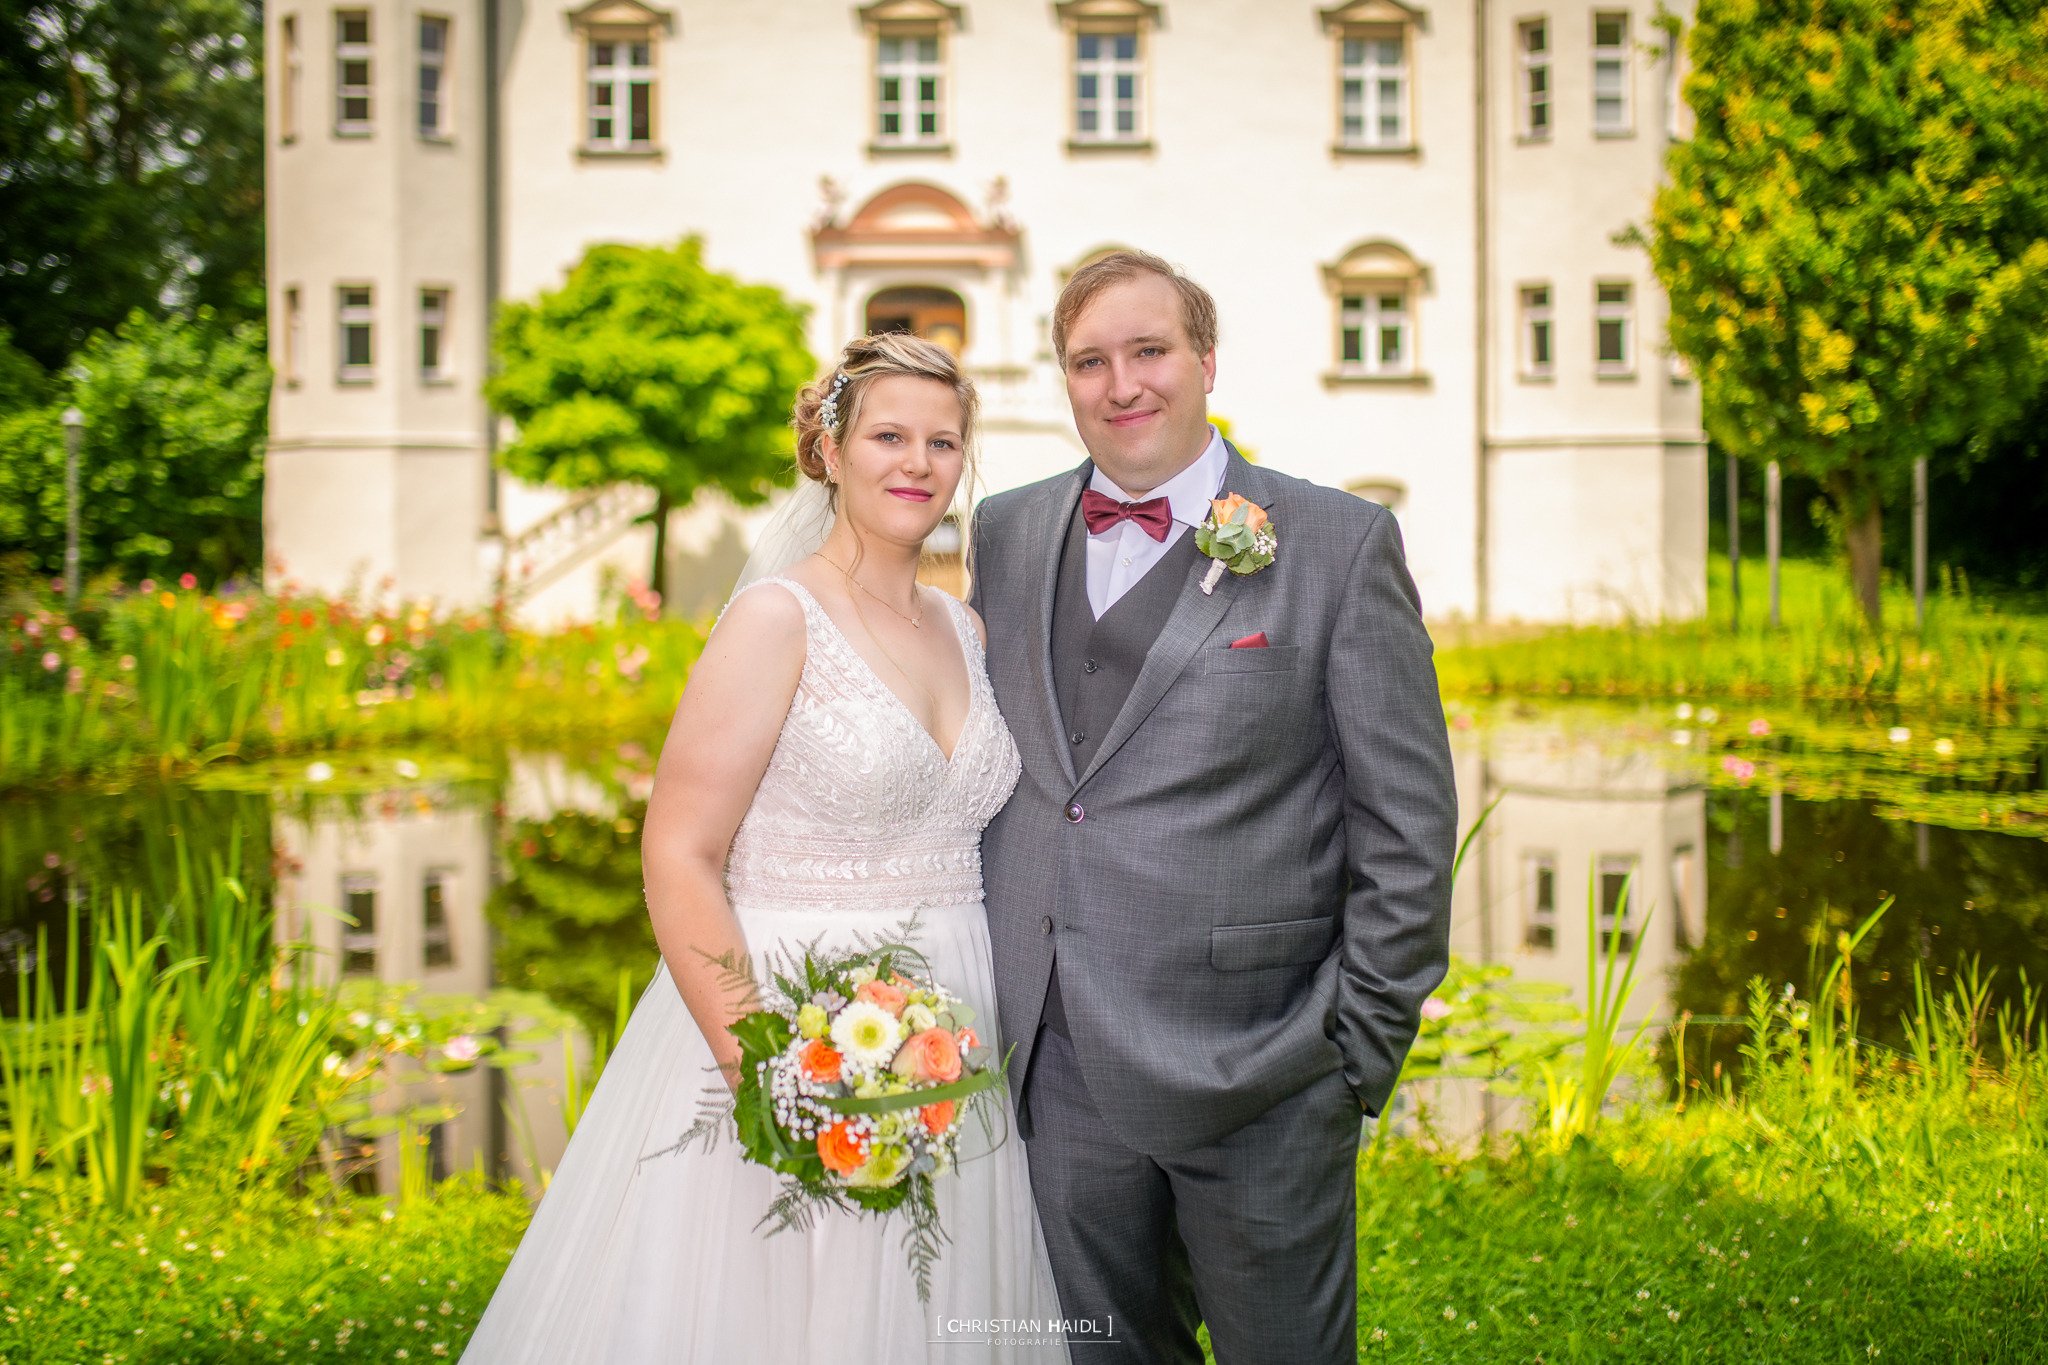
(973, 694)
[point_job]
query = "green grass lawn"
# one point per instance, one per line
(1675, 1255)
(190, 1278)
(1667, 1238)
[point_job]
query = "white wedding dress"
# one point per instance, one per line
(641, 1253)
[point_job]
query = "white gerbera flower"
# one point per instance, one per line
(867, 1035)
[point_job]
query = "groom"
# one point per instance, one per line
(1222, 889)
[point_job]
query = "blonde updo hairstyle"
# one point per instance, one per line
(880, 356)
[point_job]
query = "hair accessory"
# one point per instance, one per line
(828, 411)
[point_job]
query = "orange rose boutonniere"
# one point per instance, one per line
(1238, 536)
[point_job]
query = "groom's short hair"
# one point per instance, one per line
(1197, 308)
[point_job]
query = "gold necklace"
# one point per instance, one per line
(916, 622)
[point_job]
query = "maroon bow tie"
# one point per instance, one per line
(1154, 516)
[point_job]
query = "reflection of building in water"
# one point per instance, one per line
(1579, 820)
(393, 889)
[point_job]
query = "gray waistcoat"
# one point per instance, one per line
(1095, 663)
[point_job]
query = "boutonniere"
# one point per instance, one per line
(1238, 536)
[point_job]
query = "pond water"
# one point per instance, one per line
(470, 872)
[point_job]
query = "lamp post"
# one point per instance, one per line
(74, 432)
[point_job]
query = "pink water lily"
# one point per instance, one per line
(1434, 1008)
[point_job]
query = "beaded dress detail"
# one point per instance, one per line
(645, 1250)
(859, 808)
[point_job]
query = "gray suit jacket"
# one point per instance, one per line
(1258, 889)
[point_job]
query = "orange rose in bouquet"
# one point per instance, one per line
(819, 1061)
(882, 993)
(933, 1055)
(839, 1149)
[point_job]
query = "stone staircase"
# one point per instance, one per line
(569, 535)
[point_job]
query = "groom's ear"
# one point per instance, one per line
(1209, 370)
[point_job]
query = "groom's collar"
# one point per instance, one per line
(1188, 492)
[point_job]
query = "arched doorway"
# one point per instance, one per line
(935, 314)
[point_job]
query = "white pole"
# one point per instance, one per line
(1771, 511)
(74, 429)
(1734, 545)
(1920, 543)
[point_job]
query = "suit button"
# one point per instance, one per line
(1088, 667)
(1078, 736)
(1075, 813)
(1045, 925)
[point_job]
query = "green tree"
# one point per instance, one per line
(131, 165)
(1855, 241)
(572, 912)
(647, 367)
(171, 465)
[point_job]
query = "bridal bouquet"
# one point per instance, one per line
(856, 1078)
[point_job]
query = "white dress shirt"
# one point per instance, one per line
(1123, 554)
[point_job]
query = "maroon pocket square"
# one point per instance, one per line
(1258, 641)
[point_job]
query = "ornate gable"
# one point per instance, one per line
(924, 14)
(1373, 14)
(915, 222)
(621, 14)
(1084, 13)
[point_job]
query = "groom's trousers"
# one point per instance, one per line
(1255, 1234)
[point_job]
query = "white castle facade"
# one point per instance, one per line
(1408, 216)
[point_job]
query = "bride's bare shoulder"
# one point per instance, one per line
(762, 628)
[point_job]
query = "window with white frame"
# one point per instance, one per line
(1108, 93)
(1373, 293)
(433, 84)
(288, 79)
(434, 334)
(1375, 331)
(909, 86)
(352, 72)
(1539, 336)
(1373, 89)
(357, 319)
(437, 940)
(1617, 892)
(294, 349)
(359, 929)
(1611, 327)
(1687, 926)
(1610, 72)
(620, 94)
(1539, 901)
(1535, 59)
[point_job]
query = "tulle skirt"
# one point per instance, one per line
(642, 1254)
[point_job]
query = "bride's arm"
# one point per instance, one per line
(718, 747)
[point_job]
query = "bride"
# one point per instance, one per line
(828, 773)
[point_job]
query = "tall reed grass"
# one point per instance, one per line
(182, 1041)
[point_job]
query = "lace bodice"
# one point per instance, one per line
(859, 808)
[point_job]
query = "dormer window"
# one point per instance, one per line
(1375, 45)
(621, 41)
(911, 84)
(1109, 85)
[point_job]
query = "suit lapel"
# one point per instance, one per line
(1049, 538)
(1195, 617)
